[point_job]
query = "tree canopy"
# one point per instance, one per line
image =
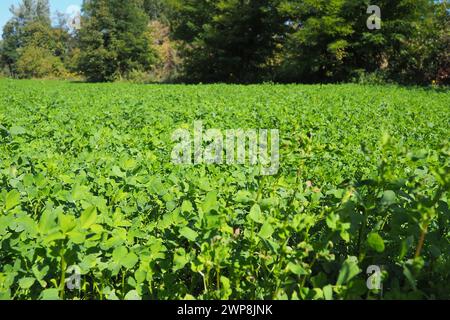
(239, 41)
(114, 39)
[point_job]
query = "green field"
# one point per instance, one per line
(86, 180)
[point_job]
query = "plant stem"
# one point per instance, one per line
(421, 241)
(62, 284)
(218, 278)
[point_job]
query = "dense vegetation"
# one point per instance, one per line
(86, 179)
(244, 41)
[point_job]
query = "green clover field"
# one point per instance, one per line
(92, 207)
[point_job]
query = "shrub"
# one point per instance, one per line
(138, 76)
(370, 78)
(35, 62)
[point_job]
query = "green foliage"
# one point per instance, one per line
(114, 39)
(43, 36)
(159, 10)
(329, 40)
(86, 180)
(360, 76)
(169, 63)
(414, 40)
(36, 62)
(30, 29)
(229, 41)
(239, 41)
(423, 56)
(10, 44)
(319, 42)
(139, 76)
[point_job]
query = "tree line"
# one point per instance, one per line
(235, 41)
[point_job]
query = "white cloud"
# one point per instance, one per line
(74, 13)
(73, 10)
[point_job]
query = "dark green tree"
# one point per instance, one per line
(424, 56)
(228, 40)
(2, 63)
(114, 39)
(317, 43)
(329, 39)
(159, 9)
(393, 49)
(11, 42)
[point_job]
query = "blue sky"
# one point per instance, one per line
(55, 5)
